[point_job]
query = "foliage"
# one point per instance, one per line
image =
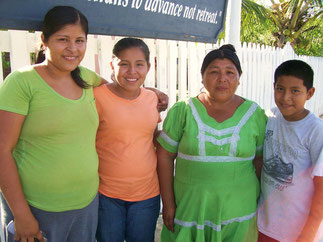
(296, 21)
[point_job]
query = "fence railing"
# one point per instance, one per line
(175, 65)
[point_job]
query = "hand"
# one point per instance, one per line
(27, 229)
(162, 101)
(168, 217)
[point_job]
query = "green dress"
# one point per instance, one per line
(215, 185)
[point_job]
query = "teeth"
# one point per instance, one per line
(131, 80)
(70, 57)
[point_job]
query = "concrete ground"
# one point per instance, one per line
(158, 228)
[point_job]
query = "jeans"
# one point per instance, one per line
(121, 220)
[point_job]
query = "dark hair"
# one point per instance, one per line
(224, 52)
(296, 68)
(54, 20)
(127, 43)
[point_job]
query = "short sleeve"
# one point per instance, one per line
(15, 93)
(316, 148)
(173, 127)
(90, 77)
(261, 119)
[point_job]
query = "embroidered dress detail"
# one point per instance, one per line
(212, 225)
(204, 129)
(204, 158)
(168, 139)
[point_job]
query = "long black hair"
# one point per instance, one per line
(54, 20)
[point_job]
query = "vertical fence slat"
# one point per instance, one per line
(182, 70)
(19, 54)
(91, 50)
(150, 78)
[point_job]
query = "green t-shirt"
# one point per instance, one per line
(55, 153)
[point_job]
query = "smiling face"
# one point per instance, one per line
(290, 97)
(129, 69)
(66, 47)
(221, 79)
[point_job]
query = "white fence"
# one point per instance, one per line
(177, 65)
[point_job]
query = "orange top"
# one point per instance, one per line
(124, 142)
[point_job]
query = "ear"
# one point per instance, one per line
(43, 40)
(112, 67)
(148, 67)
(310, 93)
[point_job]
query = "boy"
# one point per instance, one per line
(291, 203)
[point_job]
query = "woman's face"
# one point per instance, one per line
(66, 47)
(221, 79)
(130, 69)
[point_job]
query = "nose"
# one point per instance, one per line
(132, 69)
(287, 95)
(72, 45)
(222, 77)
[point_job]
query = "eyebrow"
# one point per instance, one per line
(226, 67)
(280, 85)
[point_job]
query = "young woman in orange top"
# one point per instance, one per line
(129, 201)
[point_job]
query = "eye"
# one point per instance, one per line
(279, 89)
(63, 39)
(295, 91)
(80, 41)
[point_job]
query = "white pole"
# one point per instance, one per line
(232, 23)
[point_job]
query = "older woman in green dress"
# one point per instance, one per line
(217, 140)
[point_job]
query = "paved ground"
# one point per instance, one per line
(158, 228)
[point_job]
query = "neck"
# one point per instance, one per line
(55, 73)
(220, 104)
(123, 93)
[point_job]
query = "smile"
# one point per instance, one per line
(70, 58)
(285, 105)
(131, 79)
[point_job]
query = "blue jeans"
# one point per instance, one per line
(120, 220)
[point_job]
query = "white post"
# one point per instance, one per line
(232, 23)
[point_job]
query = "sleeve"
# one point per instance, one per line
(89, 76)
(15, 94)
(261, 122)
(316, 149)
(173, 127)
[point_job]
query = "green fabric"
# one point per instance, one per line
(55, 153)
(216, 201)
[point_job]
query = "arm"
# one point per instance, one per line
(103, 81)
(162, 99)
(156, 134)
(165, 169)
(257, 162)
(26, 225)
(316, 213)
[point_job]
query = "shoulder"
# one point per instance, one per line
(23, 77)
(148, 93)
(89, 76)
(21, 73)
(100, 93)
(315, 123)
(255, 108)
